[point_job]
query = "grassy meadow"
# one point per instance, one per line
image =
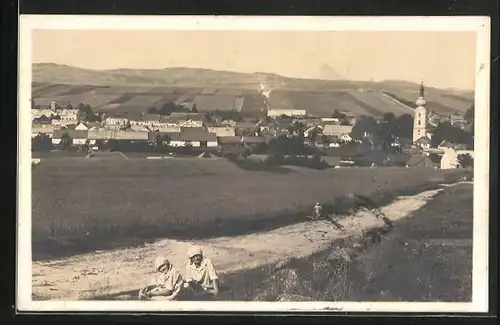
(88, 204)
(427, 257)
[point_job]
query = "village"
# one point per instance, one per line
(338, 139)
(250, 165)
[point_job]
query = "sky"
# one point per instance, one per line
(441, 59)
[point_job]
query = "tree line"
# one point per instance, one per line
(383, 133)
(171, 107)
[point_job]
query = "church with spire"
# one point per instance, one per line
(420, 125)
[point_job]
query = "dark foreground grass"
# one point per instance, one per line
(82, 205)
(425, 258)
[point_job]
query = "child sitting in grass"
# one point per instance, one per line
(167, 283)
(201, 277)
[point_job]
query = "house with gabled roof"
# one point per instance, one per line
(77, 137)
(182, 119)
(143, 128)
(149, 120)
(198, 137)
(39, 112)
(87, 125)
(346, 137)
(423, 142)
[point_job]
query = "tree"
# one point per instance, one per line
(86, 147)
(153, 110)
(69, 106)
(41, 142)
(297, 128)
(386, 130)
(84, 112)
(446, 131)
(389, 117)
(404, 127)
(364, 124)
(66, 141)
(469, 115)
(313, 134)
(167, 108)
(338, 114)
(126, 126)
(161, 139)
(194, 109)
(465, 160)
(33, 104)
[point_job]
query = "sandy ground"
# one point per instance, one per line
(111, 272)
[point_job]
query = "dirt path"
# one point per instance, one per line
(111, 272)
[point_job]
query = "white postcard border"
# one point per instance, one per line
(481, 25)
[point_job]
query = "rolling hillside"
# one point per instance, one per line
(128, 90)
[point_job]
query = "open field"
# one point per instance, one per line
(244, 262)
(426, 257)
(138, 90)
(85, 204)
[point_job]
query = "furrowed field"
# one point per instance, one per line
(87, 204)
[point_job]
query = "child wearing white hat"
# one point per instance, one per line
(201, 275)
(166, 285)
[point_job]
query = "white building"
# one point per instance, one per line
(287, 112)
(77, 137)
(420, 119)
(330, 120)
(449, 159)
(346, 137)
(150, 120)
(37, 113)
(69, 115)
(116, 121)
(222, 131)
(336, 130)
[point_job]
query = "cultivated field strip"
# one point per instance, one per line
(139, 98)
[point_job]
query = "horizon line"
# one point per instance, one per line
(261, 72)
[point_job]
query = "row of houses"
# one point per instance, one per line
(187, 137)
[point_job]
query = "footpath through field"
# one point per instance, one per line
(111, 272)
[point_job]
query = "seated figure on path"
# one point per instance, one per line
(201, 276)
(166, 285)
(317, 211)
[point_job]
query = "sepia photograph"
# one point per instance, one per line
(253, 163)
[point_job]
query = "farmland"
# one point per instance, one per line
(87, 204)
(138, 90)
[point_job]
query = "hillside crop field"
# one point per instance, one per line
(87, 204)
(138, 90)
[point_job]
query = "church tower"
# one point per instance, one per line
(420, 120)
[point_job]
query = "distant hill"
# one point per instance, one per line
(139, 89)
